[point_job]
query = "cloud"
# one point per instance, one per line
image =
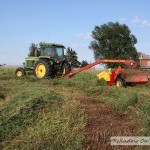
(85, 35)
(138, 20)
(146, 22)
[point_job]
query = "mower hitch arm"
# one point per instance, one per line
(130, 63)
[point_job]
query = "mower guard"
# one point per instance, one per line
(137, 79)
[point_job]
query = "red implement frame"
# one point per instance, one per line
(130, 63)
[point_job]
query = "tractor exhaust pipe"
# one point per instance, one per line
(35, 52)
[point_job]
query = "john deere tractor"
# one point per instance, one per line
(50, 63)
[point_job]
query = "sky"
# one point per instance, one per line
(67, 22)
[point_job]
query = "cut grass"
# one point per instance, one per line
(58, 128)
(36, 116)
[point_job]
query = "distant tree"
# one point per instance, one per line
(84, 63)
(72, 57)
(32, 50)
(113, 41)
(1, 65)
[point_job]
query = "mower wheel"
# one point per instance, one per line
(20, 72)
(120, 82)
(66, 68)
(41, 69)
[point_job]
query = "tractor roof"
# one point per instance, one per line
(50, 44)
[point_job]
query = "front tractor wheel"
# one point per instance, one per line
(41, 69)
(66, 68)
(120, 82)
(20, 72)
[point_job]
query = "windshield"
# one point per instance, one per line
(53, 51)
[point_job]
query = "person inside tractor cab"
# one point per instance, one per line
(53, 53)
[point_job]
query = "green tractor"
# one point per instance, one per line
(50, 63)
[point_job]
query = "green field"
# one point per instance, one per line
(46, 114)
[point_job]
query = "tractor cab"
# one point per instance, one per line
(52, 50)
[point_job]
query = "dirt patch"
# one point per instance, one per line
(102, 123)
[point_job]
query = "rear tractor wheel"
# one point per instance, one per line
(41, 69)
(20, 72)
